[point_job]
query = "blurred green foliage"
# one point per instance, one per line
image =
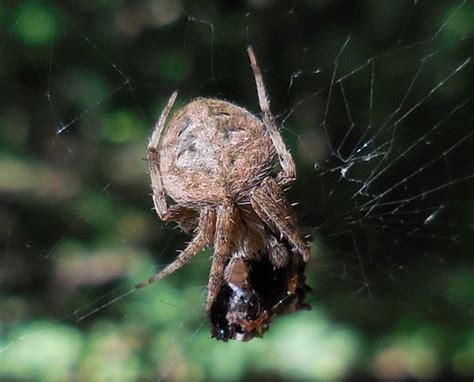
(82, 83)
(37, 23)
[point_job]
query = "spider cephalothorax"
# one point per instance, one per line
(216, 161)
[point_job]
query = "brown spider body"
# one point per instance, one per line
(216, 161)
(201, 153)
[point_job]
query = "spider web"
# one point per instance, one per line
(381, 129)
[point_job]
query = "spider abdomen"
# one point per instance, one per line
(213, 151)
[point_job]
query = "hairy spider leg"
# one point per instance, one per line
(204, 236)
(288, 173)
(159, 196)
(271, 206)
(277, 252)
(226, 225)
(185, 216)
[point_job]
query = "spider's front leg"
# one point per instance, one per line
(226, 226)
(270, 204)
(204, 236)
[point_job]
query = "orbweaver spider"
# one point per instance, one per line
(216, 161)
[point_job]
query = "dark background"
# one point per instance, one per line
(375, 102)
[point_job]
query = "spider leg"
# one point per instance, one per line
(225, 230)
(277, 252)
(186, 217)
(288, 173)
(270, 204)
(204, 236)
(159, 196)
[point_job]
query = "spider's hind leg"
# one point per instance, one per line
(186, 218)
(270, 204)
(288, 173)
(159, 196)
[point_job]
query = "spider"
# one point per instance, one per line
(217, 162)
